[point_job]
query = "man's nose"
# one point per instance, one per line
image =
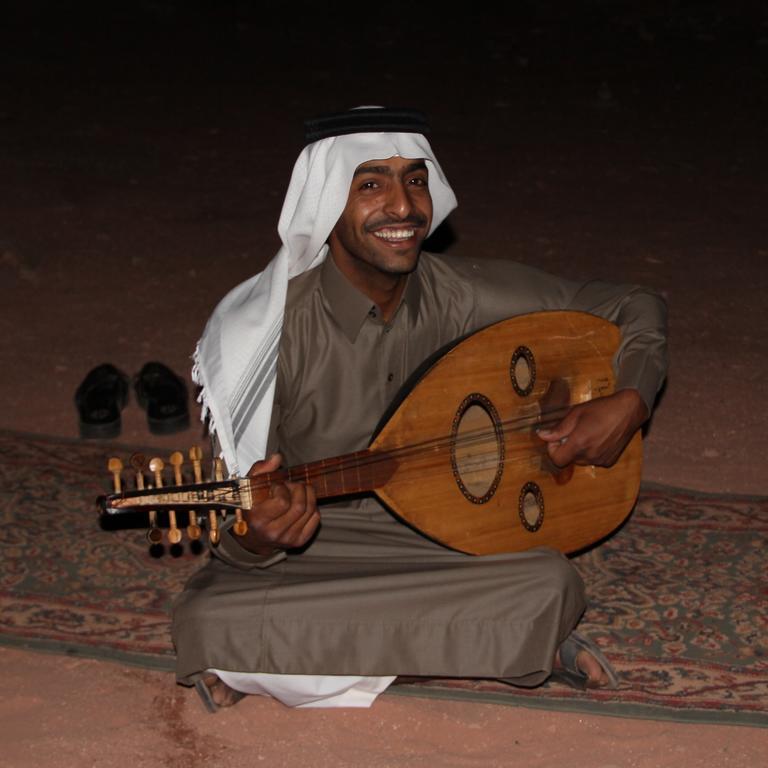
(398, 201)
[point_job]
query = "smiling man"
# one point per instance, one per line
(377, 240)
(326, 604)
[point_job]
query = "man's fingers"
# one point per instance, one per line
(560, 431)
(305, 524)
(302, 529)
(284, 519)
(581, 451)
(280, 495)
(561, 453)
(276, 506)
(554, 435)
(270, 464)
(559, 446)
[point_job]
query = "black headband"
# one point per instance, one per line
(365, 120)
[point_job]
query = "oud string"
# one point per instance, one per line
(351, 463)
(364, 459)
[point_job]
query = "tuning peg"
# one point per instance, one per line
(174, 534)
(240, 527)
(213, 527)
(193, 529)
(177, 460)
(155, 536)
(115, 466)
(138, 461)
(156, 466)
(213, 524)
(196, 457)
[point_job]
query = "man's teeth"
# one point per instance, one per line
(395, 234)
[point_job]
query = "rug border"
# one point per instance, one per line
(580, 706)
(75, 650)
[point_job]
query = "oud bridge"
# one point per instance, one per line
(176, 497)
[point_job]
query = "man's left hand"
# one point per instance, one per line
(596, 432)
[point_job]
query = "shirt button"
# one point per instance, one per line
(390, 377)
(372, 312)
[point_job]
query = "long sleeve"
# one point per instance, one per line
(503, 289)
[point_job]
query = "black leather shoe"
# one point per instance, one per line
(100, 397)
(163, 395)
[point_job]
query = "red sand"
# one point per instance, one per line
(71, 713)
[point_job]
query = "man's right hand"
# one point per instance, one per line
(286, 520)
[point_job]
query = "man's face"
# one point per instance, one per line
(387, 217)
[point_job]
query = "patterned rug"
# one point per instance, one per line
(679, 596)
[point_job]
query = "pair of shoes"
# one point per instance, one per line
(205, 692)
(163, 395)
(104, 392)
(570, 673)
(99, 399)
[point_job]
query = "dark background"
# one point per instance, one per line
(145, 148)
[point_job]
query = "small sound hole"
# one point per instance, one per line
(531, 507)
(522, 371)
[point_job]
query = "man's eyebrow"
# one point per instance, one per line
(385, 170)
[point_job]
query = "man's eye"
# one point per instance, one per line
(369, 185)
(417, 181)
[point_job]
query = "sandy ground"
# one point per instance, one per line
(114, 716)
(143, 160)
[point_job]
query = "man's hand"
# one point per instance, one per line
(597, 431)
(286, 520)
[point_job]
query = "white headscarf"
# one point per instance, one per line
(236, 359)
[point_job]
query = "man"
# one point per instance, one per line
(326, 606)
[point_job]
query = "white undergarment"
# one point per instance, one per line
(308, 690)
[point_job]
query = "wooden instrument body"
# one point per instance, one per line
(502, 381)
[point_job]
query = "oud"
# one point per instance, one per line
(459, 459)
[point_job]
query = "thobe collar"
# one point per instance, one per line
(350, 308)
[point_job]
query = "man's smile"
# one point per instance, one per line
(395, 235)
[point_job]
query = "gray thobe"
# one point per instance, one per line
(370, 596)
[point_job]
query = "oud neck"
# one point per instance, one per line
(356, 472)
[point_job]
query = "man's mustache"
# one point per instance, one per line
(410, 221)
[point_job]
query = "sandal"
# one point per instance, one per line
(163, 395)
(569, 671)
(99, 399)
(205, 692)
